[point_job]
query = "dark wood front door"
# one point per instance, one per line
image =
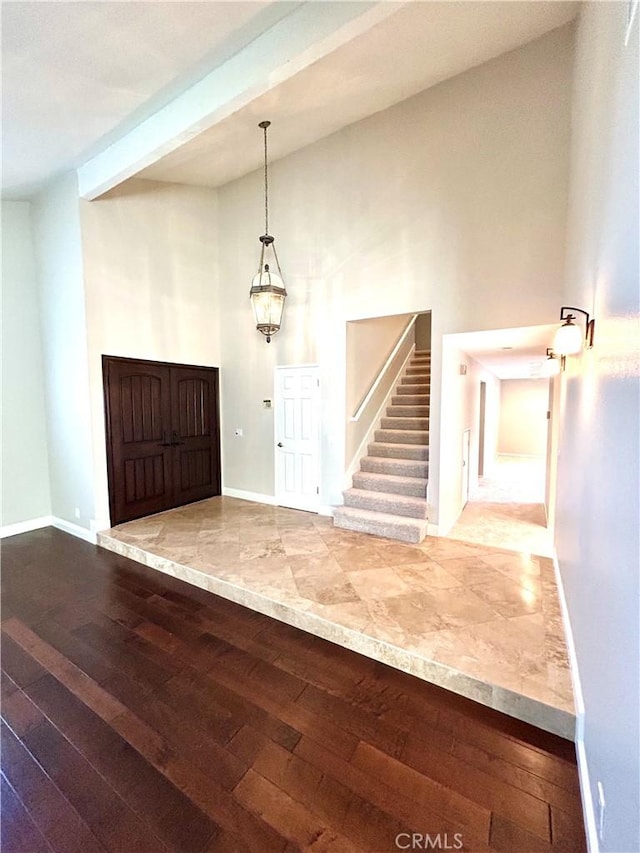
(163, 435)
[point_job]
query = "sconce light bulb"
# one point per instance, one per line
(568, 339)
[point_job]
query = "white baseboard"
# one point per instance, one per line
(74, 529)
(49, 521)
(433, 530)
(25, 526)
(256, 497)
(325, 509)
(588, 807)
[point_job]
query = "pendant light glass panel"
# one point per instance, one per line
(267, 299)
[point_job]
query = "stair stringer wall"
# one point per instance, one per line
(375, 422)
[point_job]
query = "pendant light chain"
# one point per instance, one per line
(266, 183)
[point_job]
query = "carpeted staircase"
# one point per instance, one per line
(388, 497)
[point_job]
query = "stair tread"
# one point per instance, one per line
(383, 517)
(392, 497)
(394, 478)
(395, 446)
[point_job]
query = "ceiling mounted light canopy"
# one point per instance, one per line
(267, 292)
(569, 338)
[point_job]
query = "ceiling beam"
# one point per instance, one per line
(311, 32)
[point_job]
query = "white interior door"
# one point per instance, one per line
(466, 455)
(297, 437)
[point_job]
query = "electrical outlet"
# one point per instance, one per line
(602, 804)
(76, 512)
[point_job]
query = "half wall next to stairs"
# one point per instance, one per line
(389, 493)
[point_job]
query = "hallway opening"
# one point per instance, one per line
(498, 390)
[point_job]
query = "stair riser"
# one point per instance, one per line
(399, 467)
(410, 535)
(398, 451)
(412, 489)
(402, 436)
(413, 389)
(396, 411)
(410, 400)
(423, 379)
(405, 423)
(374, 502)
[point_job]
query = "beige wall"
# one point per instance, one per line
(598, 506)
(461, 411)
(151, 286)
(56, 226)
(423, 331)
(523, 416)
(25, 467)
(452, 201)
(369, 345)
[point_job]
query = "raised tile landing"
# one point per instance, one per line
(480, 621)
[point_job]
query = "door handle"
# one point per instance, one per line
(279, 444)
(165, 440)
(175, 441)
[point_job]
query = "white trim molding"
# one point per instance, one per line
(74, 529)
(49, 521)
(25, 526)
(325, 509)
(256, 497)
(588, 807)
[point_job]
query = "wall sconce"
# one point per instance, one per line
(554, 363)
(569, 339)
(267, 292)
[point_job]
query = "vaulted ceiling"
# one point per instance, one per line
(173, 90)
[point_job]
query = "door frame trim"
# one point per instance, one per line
(276, 402)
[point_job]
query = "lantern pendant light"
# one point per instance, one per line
(267, 292)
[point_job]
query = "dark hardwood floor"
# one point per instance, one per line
(142, 714)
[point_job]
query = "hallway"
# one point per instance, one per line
(507, 509)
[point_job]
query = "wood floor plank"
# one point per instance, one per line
(480, 787)
(385, 797)
(106, 814)
(567, 833)
(20, 713)
(65, 671)
(290, 818)
(51, 812)
(353, 720)
(436, 796)
(558, 795)
(19, 833)
(143, 714)
(18, 664)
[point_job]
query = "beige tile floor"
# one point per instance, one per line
(477, 619)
